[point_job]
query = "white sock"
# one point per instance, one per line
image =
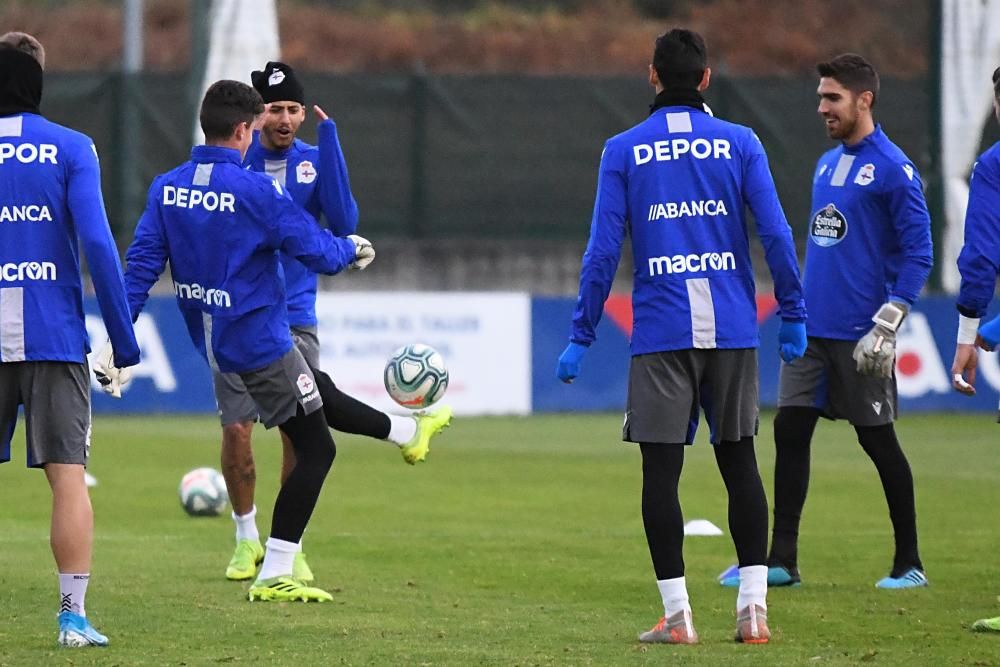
(753, 587)
(675, 595)
(278, 559)
(401, 429)
(246, 525)
(72, 591)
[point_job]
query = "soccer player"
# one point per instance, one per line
(678, 184)
(869, 253)
(50, 203)
(220, 227)
(979, 265)
(316, 179)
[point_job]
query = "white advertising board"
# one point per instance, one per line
(485, 339)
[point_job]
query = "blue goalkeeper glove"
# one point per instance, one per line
(569, 362)
(990, 333)
(791, 340)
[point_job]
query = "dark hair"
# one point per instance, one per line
(680, 59)
(22, 41)
(996, 83)
(852, 72)
(226, 105)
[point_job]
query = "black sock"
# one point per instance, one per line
(661, 508)
(881, 445)
(747, 502)
(793, 431)
(347, 414)
(314, 454)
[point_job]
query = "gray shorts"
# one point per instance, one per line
(56, 399)
(231, 397)
(667, 389)
(281, 387)
(827, 378)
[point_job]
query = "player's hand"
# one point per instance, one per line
(963, 369)
(364, 252)
(320, 114)
(875, 353)
(569, 362)
(792, 340)
(110, 377)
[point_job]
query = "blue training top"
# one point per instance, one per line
(869, 236)
(221, 226)
(979, 261)
(678, 184)
(317, 180)
(50, 195)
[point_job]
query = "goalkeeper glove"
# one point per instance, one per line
(792, 340)
(875, 353)
(569, 362)
(110, 377)
(364, 252)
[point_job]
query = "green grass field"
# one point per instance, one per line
(518, 543)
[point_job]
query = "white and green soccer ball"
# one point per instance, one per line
(203, 492)
(415, 376)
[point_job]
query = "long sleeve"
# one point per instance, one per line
(775, 234)
(335, 198)
(604, 248)
(91, 221)
(146, 257)
(298, 235)
(978, 261)
(912, 222)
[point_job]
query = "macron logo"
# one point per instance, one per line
(12, 272)
(210, 297)
(715, 261)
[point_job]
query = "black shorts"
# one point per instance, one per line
(667, 389)
(56, 400)
(827, 378)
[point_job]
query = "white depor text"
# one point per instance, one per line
(692, 263)
(28, 153)
(674, 149)
(12, 272)
(208, 200)
(210, 296)
(685, 209)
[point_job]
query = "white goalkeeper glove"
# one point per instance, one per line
(875, 353)
(110, 377)
(364, 252)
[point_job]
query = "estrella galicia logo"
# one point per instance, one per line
(828, 227)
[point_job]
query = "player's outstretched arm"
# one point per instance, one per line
(334, 188)
(86, 205)
(296, 233)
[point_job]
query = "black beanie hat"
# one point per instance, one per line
(20, 82)
(278, 83)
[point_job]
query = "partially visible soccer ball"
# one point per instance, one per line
(415, 376)
(203, 492)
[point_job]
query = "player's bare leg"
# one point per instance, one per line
(72, 540)
(240, 473)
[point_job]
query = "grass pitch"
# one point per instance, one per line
(518, 543)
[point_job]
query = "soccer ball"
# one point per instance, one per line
(203, 492)
(415, 376)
